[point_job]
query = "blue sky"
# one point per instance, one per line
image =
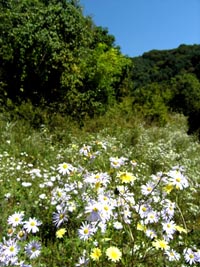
(142, 25)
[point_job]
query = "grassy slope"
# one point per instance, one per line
(154, 148)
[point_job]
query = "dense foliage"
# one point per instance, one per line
(168, 80)
(162, 65)
(54, 57)
(52, 54)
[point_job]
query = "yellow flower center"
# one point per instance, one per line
(12, 249)
(61, 216)
(95, 209)
(10, 231)
(21, 234)
(59, 194)
(86, 231)
(32, 223)
(65, 166)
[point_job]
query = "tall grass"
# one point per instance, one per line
(85, 189)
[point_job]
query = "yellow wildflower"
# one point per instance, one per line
(60, 233)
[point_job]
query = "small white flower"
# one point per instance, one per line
(168, 211)
(35, 173)
(60, 216)
(117, 162)
(83, 261)
(177, 179)
(65, 168)
(189, 256)
(49, 184)
(85, 150)
(152, 217)
(86, 231)
(172, 255)
(26, 184)
(118, 225)
(147, 189)
(33, 249)
(169, 227)
(7, 195)
(32, 225)
(43, 196)
(151, 233)
(93, 209)
(10, 248)
(143, 209)
(16, 218)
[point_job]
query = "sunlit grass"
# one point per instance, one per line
(115, 194)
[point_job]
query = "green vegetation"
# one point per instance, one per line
(168, 80)
(99, 153)
(54, 56)
(54, 177)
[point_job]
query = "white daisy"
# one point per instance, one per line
(16, 219)
(147, 189)
(117, 162)
(189, 256)
(177, 179)
(10, 248)
(65, 168)
(169, 227)
(172, 255)
(86, 231)
(85, 150)
(152, 217)
(60, 217)
(32, 225)
(33, 249)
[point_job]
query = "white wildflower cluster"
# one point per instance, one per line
(18, 243)
(98, 197)
(104, 208)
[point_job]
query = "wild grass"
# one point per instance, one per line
(100, 195)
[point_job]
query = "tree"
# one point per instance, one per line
(100, 72)
(186, 93)
(38, 44)
(51, 53)
(152, 102)
(186, 98)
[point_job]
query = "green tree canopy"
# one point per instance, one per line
(168, 79)
(186, 90)
(38, 43)
(51, 53)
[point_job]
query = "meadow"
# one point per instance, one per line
(117, 192)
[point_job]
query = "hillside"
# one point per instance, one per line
(97, 167)
(52, 65)
(168, 80)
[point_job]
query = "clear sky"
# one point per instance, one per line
(142, 25)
